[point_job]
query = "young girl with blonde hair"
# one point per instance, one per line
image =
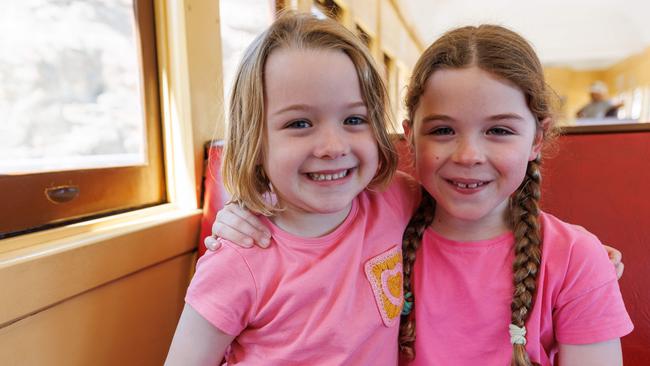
(307, 136)
(493, 280)
(489, 279)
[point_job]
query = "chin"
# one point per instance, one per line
(331, 208)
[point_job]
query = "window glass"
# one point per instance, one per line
(241, 22)
(80, 132)
(70, 92)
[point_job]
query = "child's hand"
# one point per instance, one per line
(239, 226)
(616, 258)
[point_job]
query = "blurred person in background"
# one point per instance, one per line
(599, 106)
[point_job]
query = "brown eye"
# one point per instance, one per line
(499, 131)
(441, 131)
(298, 124)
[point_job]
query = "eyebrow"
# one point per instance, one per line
(305, 107)
(495, 118)
(436, 117)
(506, 116)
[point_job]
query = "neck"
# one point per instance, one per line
(309, 224)
(487, 227)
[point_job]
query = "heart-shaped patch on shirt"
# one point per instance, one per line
(385, 275)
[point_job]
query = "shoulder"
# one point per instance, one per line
(566, 238)
(227, 262)
(253, 258)
(223, 289)
(574, 256)
(227, 252)
(403, 191)
(587, 305)
(403, 181)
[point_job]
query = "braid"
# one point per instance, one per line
(410, 243)
(524, 210)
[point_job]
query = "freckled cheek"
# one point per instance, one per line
(428, 155)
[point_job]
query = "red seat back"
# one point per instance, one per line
(602, 182)
(214, 194)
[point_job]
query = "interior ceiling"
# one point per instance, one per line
(584, 34)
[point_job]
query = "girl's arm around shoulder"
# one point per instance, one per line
(196, 341)
(607, 353)
(240, 226)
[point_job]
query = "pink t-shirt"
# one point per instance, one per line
(332, 300)
(464, 291)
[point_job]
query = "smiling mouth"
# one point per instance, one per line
(465, 185)
(319, 177)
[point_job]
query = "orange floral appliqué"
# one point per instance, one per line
(385, 275)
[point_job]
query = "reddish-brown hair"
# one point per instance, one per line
(507, 55)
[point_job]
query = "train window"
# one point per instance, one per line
(80, 133)
(241, 22)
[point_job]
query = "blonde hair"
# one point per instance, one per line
(242, 171)
(506, 54)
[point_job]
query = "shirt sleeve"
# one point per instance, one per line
(223, 290)
(590, 308)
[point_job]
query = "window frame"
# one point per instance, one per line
(103, 191)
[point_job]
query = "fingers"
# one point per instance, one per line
(241, 227)
(620, 267)
(614, 255)
(211, 243)
(234, 235)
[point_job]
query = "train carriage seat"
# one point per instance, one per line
(215, 195)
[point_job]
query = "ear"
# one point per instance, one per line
(408, 132)
(538, 142)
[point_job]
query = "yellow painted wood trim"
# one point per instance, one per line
(176, 102)
(35, 277)
(413, 34)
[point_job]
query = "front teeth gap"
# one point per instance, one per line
(322, 177)
(468, 185)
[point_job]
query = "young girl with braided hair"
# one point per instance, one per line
(490, 278)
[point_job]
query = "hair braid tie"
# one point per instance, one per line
(517, 334)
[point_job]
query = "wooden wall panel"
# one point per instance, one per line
(126, 322)
(38, 276)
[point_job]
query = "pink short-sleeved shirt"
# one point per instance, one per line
(464, 291)
(332, 300)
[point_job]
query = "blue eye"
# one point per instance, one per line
(500, 131)
(354, 121)
(298, 124)
(441, 131)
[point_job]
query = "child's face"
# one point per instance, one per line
(320, 148)
(473, 135)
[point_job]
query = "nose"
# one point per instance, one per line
(468, 152)
(331, 143)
